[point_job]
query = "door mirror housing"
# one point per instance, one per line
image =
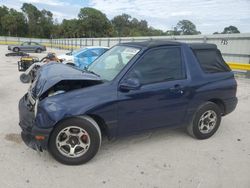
(130, 84)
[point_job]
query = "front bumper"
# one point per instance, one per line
(29, 128)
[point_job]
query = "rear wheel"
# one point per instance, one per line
(39, 50)
(75, 141)
(206, 121)
(16, 49)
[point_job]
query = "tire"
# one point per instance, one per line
(63, 138)
(25, 78)
(71, 64)
(206, 121)
(38, 50)
(16, 49)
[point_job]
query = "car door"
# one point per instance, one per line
(161, 100)
(33, 46)
(25, 46)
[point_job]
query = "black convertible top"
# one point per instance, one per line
(162, 42)
(202, 46)
(152, 43)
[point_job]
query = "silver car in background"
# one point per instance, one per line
(27, 46)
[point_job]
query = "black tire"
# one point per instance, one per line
(86, 123)
(16, 49)
(71, 64)
(25, 78)
(38, 50)
(195, 128)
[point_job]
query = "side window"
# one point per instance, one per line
(88, 53)
(34, 43)
(159, 65)
(93, 53)
(211, 60)
(83, 54)
(25, 44)
(96, 52)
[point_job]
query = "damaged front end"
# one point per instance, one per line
(52, 79)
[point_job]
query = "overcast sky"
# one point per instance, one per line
(208, 15)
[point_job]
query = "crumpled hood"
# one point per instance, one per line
(52, 73)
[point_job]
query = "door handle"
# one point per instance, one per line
(177, 89)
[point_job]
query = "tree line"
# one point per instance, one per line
(90, 22)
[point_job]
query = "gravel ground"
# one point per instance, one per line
(163, 158)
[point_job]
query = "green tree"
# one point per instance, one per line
(91, 22)
(70, 29)
(14, 23)
(94, 23)
(33, 16)
(173, 32)
(186, 27)
(230, 29)
(40, 23)
(3, 11)
(46, 22)
(125, 25)
(121, 25)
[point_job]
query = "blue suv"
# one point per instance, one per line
(131, 88)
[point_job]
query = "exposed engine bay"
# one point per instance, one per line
(68, 85)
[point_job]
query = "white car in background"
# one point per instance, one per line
(83, 57)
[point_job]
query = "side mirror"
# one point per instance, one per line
(130, 84)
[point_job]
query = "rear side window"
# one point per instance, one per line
(211, 60)
(98, 51)
(159, 65)
(34, 43)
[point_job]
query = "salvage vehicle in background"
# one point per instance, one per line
(26, 61)
(131, 88)
(31, 65)
(83, 57)
(28, 47)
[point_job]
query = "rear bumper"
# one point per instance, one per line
(29, 128)
(230, 105)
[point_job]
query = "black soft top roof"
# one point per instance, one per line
(152, 43)
(158, 42)
(202, 46)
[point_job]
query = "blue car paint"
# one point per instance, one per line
(85, 57)
(154, 105)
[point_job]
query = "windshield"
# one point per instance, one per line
(112, 62)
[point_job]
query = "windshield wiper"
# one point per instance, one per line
(92, 72)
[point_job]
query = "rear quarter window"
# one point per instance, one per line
(211, 60)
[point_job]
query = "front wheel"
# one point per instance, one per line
(206, 121)
(75, 141)
(25, 78)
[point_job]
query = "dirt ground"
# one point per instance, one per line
(162, 158)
